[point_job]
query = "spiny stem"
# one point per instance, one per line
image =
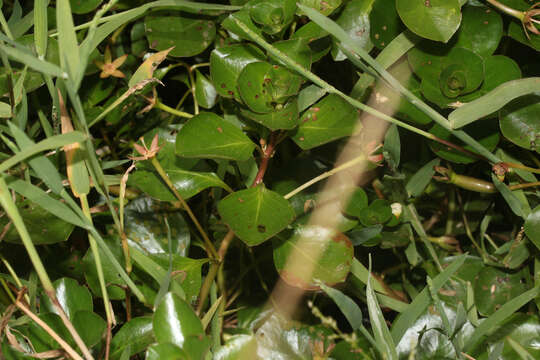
(209, 245)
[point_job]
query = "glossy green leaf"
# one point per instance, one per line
(493, 288)
(284, 117)
(385, 23)
(392, 147)
(265, 87)
(84, 6)
(41, 340)
(237, 347)
(136, 333)
(434, 19)
(175, 322)
(515, 31)
(480, 31)
(296, 49)
(189, 36)
(44, 227)
(309, 95)
(71, 296)
(325, 7)
(255, 214)
(329, 119)
(485, 132)
(209, 136)
(332, 266)
(227, 62)
(144, 225)
(315, 38)
(244, 17)
(354, 19)
(166, 351)
(532, 226)
(205, 92)
(272, 16)
(519, 122)
(90, 326)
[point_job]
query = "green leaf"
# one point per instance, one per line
(348, 307)
(265, 87)
(323, 255)
(493, 100)
(519, 122)
(243, 16)
(420, 303)
(84, 6)
(383, 337)
(175, 322)
(418, 182)
(385, 23)
(519, 207)
(209, 136)
(205, 92)
(227, 62)
(532, 226)
(354, 19)
(90, 326)
(5, 110)
(71, 296)
(67, 41)
(284, 117)
(480, 31)
(40, 27)
(237, 347)
(33, 62)
(41, 340)
(43, 226)
(493, 288)
(166, 351)
(145, 226)
(492, 322)
(309, 95)
(46, 144)
(515, 31)
(392, 147)
(330, 119)
(378, 212)
(189, 36)
(272, 16)
(136, 333)
(325, 7)
(255, 214)
(485, 132)
(358, 201)
(434, 19)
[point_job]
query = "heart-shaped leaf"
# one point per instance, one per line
(189, 36)
(255, 214)
(432, 19)
(209, 136)
(330, 119)
(272, 16)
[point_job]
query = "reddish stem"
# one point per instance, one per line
(267, 153)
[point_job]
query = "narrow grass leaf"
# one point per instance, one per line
(382, 335)
(418, 182)
(31, 61)
(420, 303)
(67, 40)
(492, 322)
(5, 110)
(511, 199)
(40, 27)
(492, 101)
(40, 197)
(348, 307)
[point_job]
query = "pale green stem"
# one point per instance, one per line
(15, 277)
(508, 10)
(170, 110)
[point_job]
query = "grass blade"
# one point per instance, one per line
(492, 322)
(420, 303)
(378, 324)
(348, 307)
(67, 41)
(31, 61)
(40, 27)
(492, 101)
(47, 144)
